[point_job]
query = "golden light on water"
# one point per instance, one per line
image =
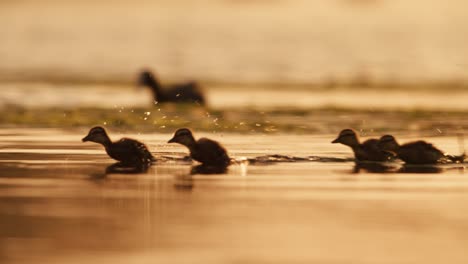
(281, 78)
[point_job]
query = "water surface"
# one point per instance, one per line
(58, 206)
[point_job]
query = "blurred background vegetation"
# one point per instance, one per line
(277, 65)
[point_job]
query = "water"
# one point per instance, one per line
(282, 78)
(43, 95)
(58, 206)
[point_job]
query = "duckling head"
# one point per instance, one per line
(98, 135)
(388, 143)
(147, 78)
(183, 136)
(347, 137)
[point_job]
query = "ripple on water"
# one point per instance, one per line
(62, 206)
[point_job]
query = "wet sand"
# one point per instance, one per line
(58, 206)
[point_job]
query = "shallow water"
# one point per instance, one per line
(58, 206)
(40, 95)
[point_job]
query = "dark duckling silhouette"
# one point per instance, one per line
(417, 152)
(128, 151)
(204, 150)
(189, 92)
(367, 151)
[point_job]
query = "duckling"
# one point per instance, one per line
(189, 92)
(418, 152)
(367, 151)
(206, 151)
(128, 151)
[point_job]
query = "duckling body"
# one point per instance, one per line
(189, 92)
(210, 152)
(417, 152)
(128, 151)
(204, 150)
(367, 151)
(420, 152)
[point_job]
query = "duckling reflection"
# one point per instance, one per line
(205, 169)
(366, 151)
(420, 169)
(178, 93)
(183, 183)
(372, 167)
(120, 168)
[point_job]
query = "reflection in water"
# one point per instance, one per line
(118, 167)
(420, 169)
(49, 209)
(183, 183)
(373, 167)
(203, 169)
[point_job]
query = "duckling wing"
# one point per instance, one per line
(371, 151)
(420, 152)
(210, 152)
(421, 146)
(131, 151)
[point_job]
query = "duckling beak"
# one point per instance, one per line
(85, 139)
(337, 140)
(172, 140)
